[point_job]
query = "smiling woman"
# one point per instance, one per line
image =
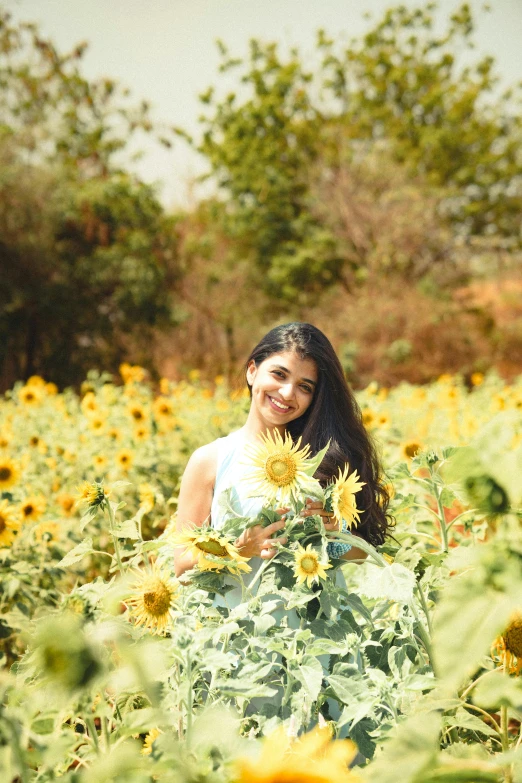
(299, 400)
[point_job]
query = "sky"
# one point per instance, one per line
(165, 52)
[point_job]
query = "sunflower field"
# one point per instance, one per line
(402, 667)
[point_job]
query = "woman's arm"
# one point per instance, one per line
(195, 499)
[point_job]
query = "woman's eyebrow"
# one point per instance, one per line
(285, 369)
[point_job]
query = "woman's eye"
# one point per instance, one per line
(279, 374)
(306, 389)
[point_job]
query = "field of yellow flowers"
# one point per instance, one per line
(403, 668)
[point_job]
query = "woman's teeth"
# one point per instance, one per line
(279, 405)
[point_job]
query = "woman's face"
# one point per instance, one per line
(282, 387)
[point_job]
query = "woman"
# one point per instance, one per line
(297, 385)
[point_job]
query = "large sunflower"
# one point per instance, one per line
(313, 758)
(279, 469)
(9, 523)
(9, 473)
(307, 566)
(344, 504)
(152, 600)
(214, 552)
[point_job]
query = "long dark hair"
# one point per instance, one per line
(333, 416)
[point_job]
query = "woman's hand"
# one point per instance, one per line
(256, 541)
(315, 507)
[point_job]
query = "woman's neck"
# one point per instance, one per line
(255, 426)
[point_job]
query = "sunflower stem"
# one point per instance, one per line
(424, 635)
(112, 528)
(93, 733)
(442, 519)
(189, 700)
(424, 605)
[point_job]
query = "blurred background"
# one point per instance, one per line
(177, 178)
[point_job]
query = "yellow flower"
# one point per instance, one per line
(141, 432)
(149, 741)
(99, 461)
(30, 395)
(163, 408)
(67, 502)
(344, 504)
(477, 378)
(383, 421)
(204, 542)
(47, 531)
(307, 566)
(9, 473)
(164, 385)
(132, 373)
(147, 497)
(114, 433)
(89, 404)
(279, 469)
(410, 449)
(97, 424)
(137, 412)
(9, 523)
(368, 417)
(152, 600)
(51, 389)
(125, 458)
(312, 758)
(36, 380)
(32, 508)
(508, 646)
(92, 495)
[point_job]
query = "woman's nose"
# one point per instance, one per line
(287, 391)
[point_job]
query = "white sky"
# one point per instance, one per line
(164, 50)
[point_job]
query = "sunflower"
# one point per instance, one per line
(214, 552)
(89, 404)
(147, 497)
(97, 424)
(163, 408)
(125, 458)
(137, 412)
(344, 490)
(32, 508)
(508, 646)
(9, 523)
(149, 741)
(67, 503)
(410, 449)
(132, 373)
(114, 433)
(47, 531)
(368, 417)
(92, 495)
(307, 566)
(312, 758)
(99, 461)
(30, 395)
(9, 473)
(152, 599)
(278, 469)
(141, 432)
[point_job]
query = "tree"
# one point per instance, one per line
(88, 255)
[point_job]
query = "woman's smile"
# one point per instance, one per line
(278, 405)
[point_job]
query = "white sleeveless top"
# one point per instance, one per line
(229, 471)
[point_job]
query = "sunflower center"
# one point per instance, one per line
(513, 637)
(411, 449)
(5, 473)
(3, 524)
(157, 599)
(309, 564)
(138, 415)
(212, 547)
(281, 469)
(28, 510)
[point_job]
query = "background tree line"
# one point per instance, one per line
(377, 194)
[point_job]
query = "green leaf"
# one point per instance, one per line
(310, 674)
(77, 553)
(394, 582)
(464, 720)
(498, 689)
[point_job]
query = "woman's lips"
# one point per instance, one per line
(276, 407)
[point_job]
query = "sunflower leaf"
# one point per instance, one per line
(77, 553)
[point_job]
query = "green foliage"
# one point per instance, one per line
(88, 254)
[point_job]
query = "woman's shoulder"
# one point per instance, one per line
(204, 459)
